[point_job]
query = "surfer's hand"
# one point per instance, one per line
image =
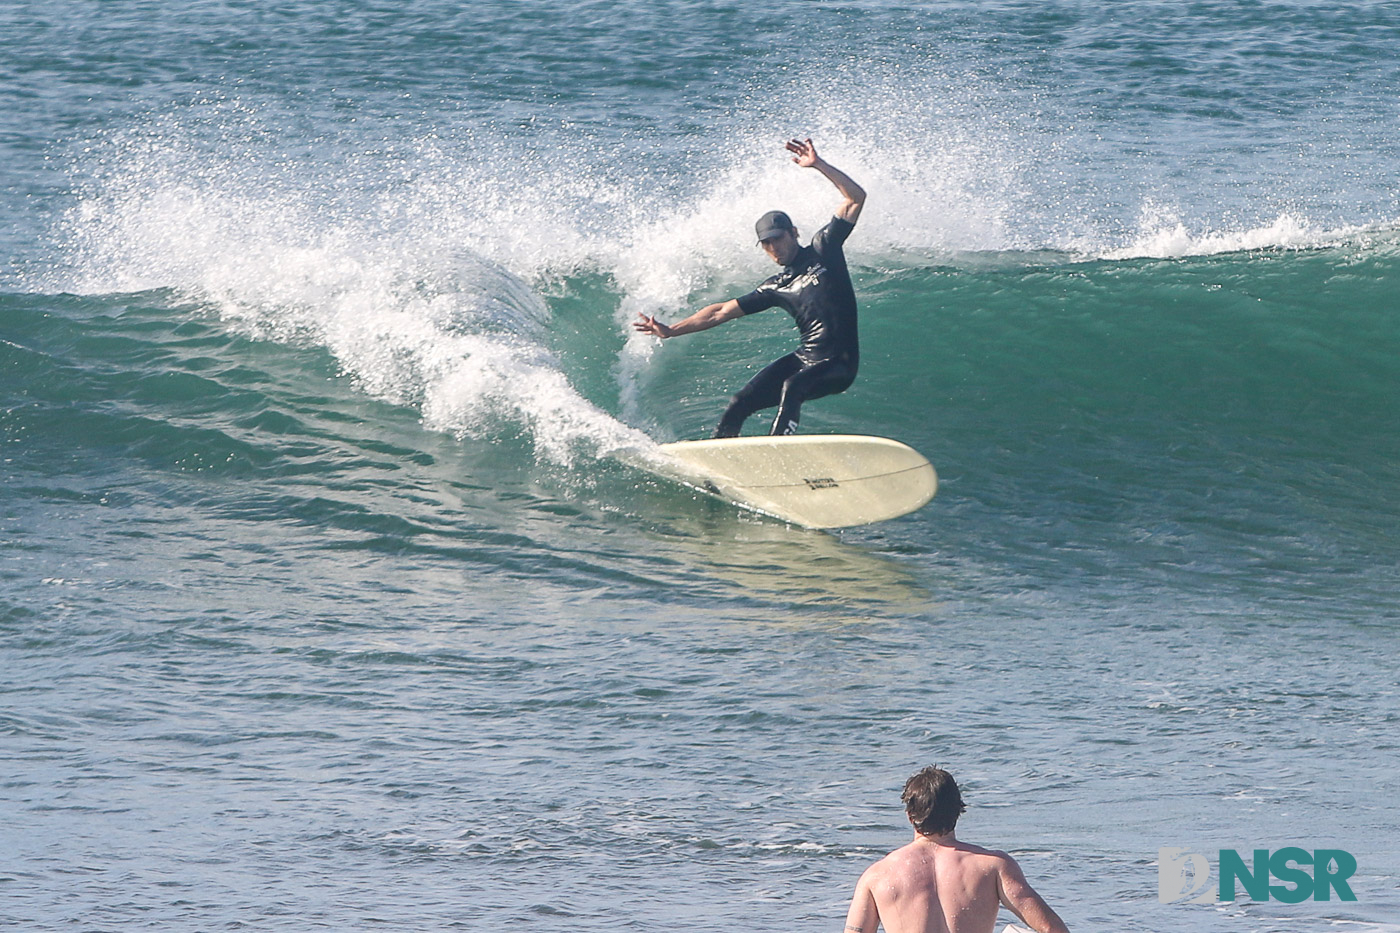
(803, 152)
(648, 324)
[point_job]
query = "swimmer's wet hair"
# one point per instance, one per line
(933, 801)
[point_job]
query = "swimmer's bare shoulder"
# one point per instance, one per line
(1017, 896)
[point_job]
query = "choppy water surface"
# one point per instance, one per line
(324, 602)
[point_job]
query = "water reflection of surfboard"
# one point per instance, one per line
(817, 481)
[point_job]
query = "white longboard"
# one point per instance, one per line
(818, 480)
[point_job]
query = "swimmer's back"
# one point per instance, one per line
(927, 887)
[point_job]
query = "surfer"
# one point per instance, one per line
(937, 884)
(815, 288)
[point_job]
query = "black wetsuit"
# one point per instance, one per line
(815, 288)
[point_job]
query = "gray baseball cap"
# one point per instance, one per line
(773, 224)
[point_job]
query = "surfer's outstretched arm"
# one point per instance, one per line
(805, 155)
(704, 319)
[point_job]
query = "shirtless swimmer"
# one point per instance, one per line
(937, 884)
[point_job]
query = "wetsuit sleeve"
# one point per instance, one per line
(833, 234)
(760, 299)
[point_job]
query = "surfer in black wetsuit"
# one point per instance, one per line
(815, 288)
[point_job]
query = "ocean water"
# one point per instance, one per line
(326, 602)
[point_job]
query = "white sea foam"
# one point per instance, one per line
(420, 267)
(420, 262)
(415, 303)
(1163, 235)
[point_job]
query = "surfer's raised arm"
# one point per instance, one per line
(704, 319)
(805, 155)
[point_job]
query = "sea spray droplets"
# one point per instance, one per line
(337, 241)
(383, 282)
(1163, 235)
